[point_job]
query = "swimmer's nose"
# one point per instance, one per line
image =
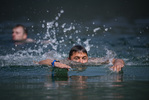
(13, 36)
(81, 61)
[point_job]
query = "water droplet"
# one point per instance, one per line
(96, 29)
(56, 24)
(62, 11)
(106, 29)
(43, 26)
(56, 18)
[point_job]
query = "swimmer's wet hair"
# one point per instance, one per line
(77, 48)
(24, 28)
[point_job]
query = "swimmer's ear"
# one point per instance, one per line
(25, 36)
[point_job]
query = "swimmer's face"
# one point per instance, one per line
(79, 57)
(18, 34)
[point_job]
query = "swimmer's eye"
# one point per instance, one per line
(84, 58)
(13, 32)
(76, 58)
(17, 32)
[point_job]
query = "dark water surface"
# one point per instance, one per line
(114, 29)
(94, 83)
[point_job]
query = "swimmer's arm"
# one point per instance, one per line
(98, 60)
(118, 64)
(29, 40)
(118, 61)
(56, 64)
(45, 62)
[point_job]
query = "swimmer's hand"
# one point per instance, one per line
(60, 65)
(118, 64)
(56, 64)
(35, 62)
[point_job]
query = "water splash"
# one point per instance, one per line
(96, 29)
(58, 37)
(87, 45)
(110, 55)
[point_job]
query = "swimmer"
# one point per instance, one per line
(79, 54)
(19, 34)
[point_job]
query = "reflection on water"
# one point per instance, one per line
(41, 83)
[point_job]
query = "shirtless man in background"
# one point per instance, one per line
(19, 34)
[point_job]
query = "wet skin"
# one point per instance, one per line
(79, 57)
(18, 34)
(83, 58)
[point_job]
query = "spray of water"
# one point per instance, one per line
(110, 55)
(57, 37)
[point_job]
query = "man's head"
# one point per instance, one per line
(78, 54)
(19, 33)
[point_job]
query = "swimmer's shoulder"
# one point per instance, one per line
(29, 40)
(98, 60)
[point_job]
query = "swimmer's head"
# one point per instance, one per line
(78, 54)
(19, 33)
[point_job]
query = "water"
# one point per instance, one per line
(104, 33)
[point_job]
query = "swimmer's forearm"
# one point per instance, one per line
(56, 64)
(45, 62)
